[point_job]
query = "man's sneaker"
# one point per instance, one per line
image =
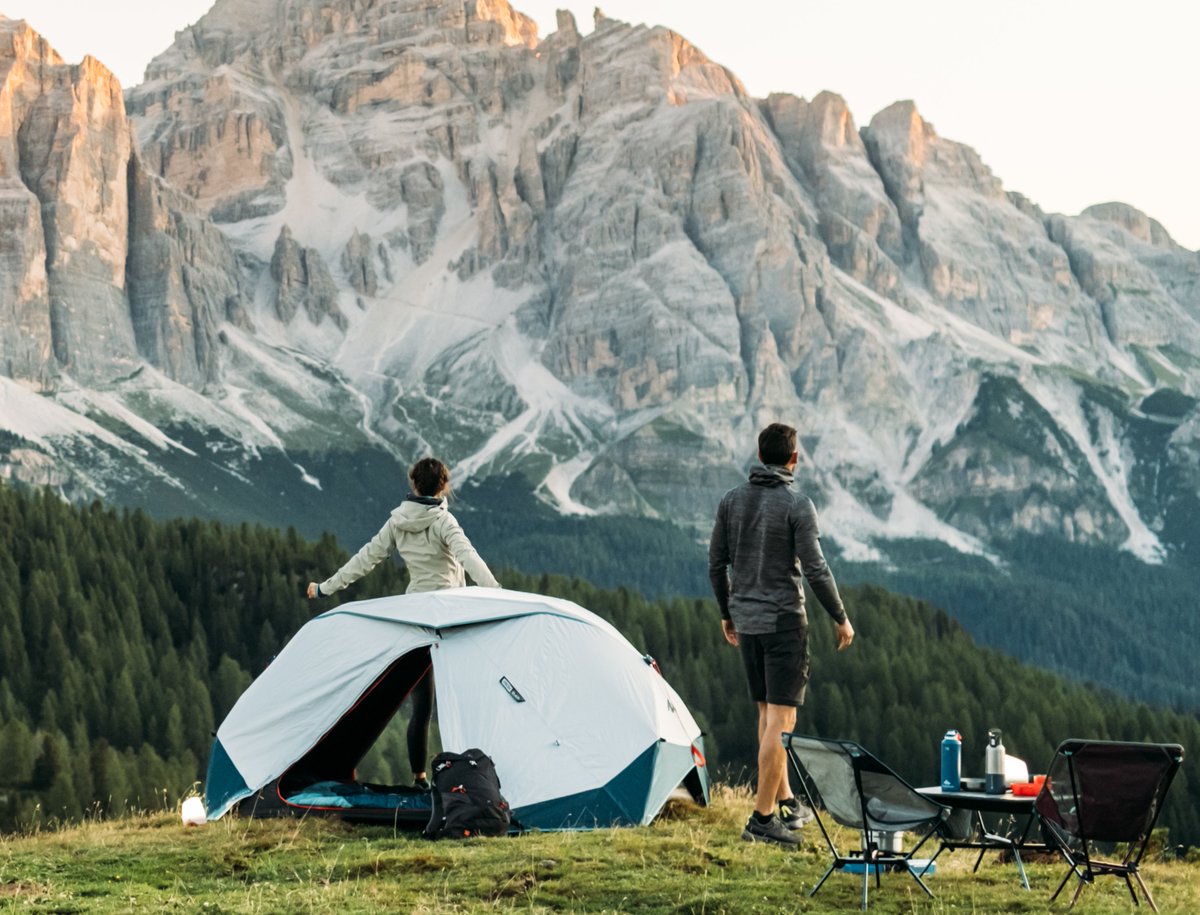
(421, 783)
(793, 814)
(771, 831)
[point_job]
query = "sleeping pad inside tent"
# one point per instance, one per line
(583, 729)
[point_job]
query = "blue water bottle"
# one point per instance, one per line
(952, 761)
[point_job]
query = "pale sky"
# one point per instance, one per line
(1070, 102)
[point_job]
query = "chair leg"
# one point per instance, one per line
(983, 831)
(1078, 890)
(1129, 886)
(1149, 898)
(920, 882)
(870, 856)
(978, 860)
(824, 876)
(1061, 885)
(933, 860)
(1020, 866)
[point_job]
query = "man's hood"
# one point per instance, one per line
(770, 475)
(416, 513)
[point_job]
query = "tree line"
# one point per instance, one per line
(124, 642)
(1087, 612)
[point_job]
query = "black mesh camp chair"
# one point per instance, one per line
(1109, 792)
(860, 792)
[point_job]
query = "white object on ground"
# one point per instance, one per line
(193, 812)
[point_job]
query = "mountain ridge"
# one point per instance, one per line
(597, 261)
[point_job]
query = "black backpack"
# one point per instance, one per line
(466, 797)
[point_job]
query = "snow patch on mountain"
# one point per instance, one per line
(40, 419)
(549, 406)
(858, 532)
(1098, 441)
(64, 431)
(561, 478)
(404, 332)
(89, 401)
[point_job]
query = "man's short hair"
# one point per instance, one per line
(776, 444)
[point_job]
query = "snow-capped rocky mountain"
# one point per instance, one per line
(348, 231)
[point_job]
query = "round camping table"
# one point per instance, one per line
(977, 803)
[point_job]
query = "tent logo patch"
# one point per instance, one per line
(511, 690)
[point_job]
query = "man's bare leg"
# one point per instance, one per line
(785, 791)
(773, 720)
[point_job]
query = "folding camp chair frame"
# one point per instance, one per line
(1081, 862)
(870, 856)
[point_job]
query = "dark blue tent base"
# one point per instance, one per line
(392, 805)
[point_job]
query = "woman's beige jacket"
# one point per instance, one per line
(432, 544)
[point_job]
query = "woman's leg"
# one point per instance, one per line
(418, 726)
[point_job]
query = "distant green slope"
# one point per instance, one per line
(512, 528)
(1092, 614)
(124, 641)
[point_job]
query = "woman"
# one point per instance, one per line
(436, 551)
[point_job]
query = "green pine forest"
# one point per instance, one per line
(124, 641)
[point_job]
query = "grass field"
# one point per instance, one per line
(690, 861)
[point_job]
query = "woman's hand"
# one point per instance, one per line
(313, 591)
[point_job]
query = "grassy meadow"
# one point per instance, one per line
(691, 860)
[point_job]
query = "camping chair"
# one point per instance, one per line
(1105, 791)
(860, 792)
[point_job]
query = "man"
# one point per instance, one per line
(765, 537)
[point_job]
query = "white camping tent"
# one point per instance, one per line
(583, 729)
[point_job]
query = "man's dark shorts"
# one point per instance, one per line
(776, 666)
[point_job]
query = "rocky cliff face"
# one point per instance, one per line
(63, 148)
(105, 269)
(598, 261)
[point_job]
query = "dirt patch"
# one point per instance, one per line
(20, 890)
(428, 863)
(518, 884)
(376, 868)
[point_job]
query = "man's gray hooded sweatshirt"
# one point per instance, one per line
(430, 541)
(764, 539)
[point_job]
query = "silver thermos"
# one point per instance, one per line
(993, 769)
